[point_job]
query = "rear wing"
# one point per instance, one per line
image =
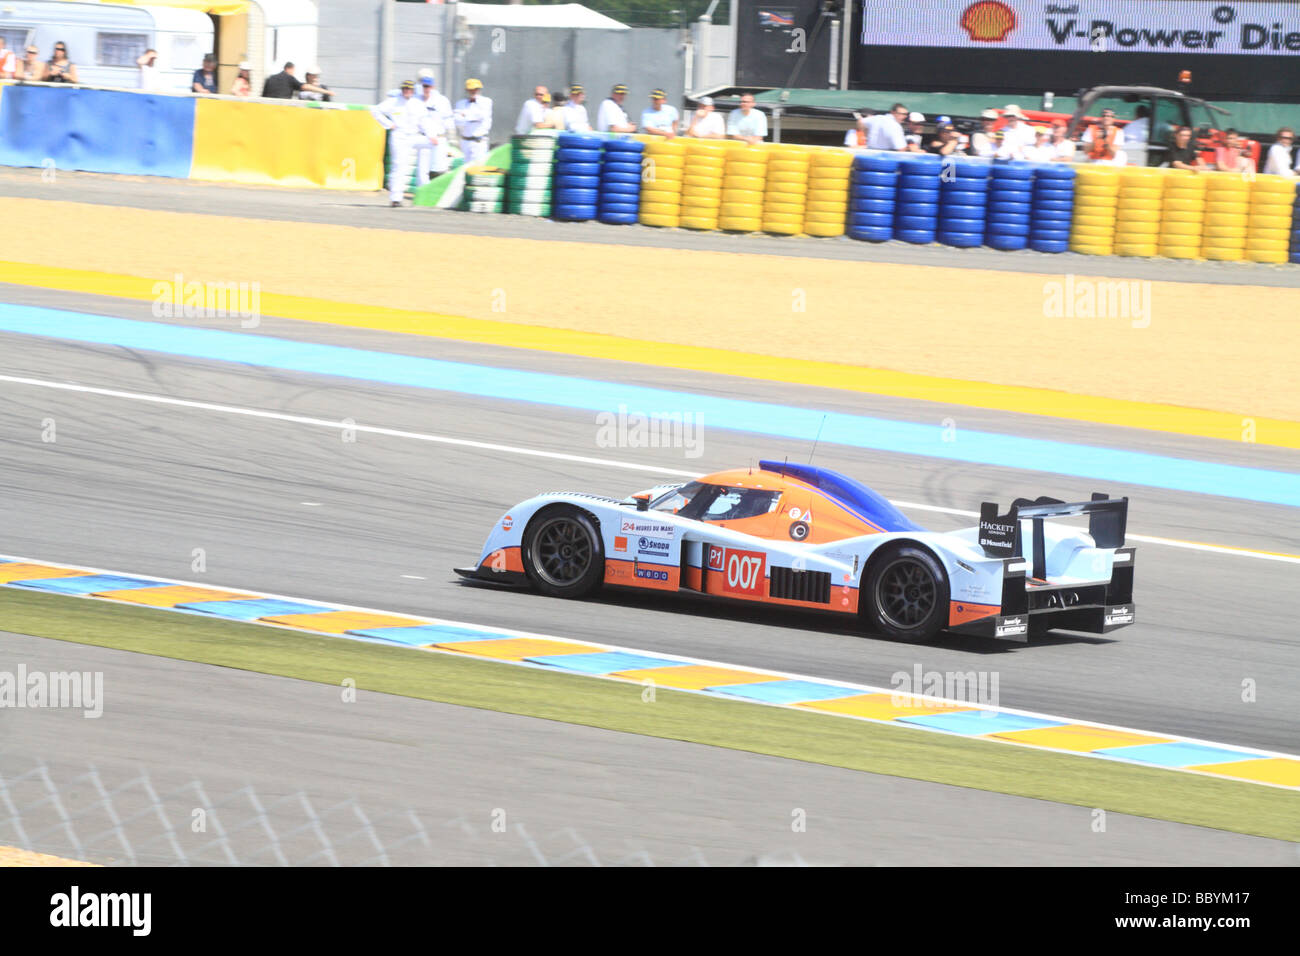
(999, 535)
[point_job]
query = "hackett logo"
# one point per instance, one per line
(988, 21)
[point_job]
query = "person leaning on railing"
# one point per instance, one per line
(8, 62)
(1278, 162)
(59, 68)
(1184, 154)
(30, 66)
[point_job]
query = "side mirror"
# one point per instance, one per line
(642, 502)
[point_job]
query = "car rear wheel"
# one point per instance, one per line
(907, 594)
(563, 555)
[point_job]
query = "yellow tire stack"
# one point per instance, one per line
(1182, 214)
(1137, 217)
(1096, 201)
(1227, 213)
(743, 186)
(786, 199)
(1268, 226)
(702, 184)
(828, 191)
(662, 171)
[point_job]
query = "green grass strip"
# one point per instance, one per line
(815, 738)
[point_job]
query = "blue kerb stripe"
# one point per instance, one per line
(88, 584)
(604, 662)
(785, 691)
(976, 722)
(253, 609)
(419, 635)
(1176, 754)
(859, 431)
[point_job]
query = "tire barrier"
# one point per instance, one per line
(485, 189)
(1096, 201)
(963, 203)
(662, 171)
(916, 208)
(620, 182)
(827, 206)
(706, 162)
(1006, 223)
(873, 191)
(1137, 215)
(785, 201)
(532, 167)
(1269, 222)
(1295, 231)
(1227, 212)
(1051, 207)
(744, 182)
(1182, 215)
(576, 191)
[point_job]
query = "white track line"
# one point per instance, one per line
(1228, 550)
(863, 688)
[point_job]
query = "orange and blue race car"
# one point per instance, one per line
(806, 537)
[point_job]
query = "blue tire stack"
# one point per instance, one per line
(1010, 207)
(873, 191)
(916, 214)
(1295, 230)
(1052, 207)
(620, 181)
(963, 203)
(576, 192)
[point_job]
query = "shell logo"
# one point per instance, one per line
(988, 21)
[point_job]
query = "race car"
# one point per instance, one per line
(801, 536)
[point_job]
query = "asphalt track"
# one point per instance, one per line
(456, 768)
(293, 509)
(366, 209)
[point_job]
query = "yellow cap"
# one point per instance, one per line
(473, 84)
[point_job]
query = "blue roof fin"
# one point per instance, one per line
(854, 495)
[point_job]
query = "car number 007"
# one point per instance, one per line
(743, 572)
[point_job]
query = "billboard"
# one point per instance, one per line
(1087, 26)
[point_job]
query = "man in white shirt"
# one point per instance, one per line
(982, 141)
(1017, 135)
(436, 160)
(611, 118)
(747, 123)
(1062, 148)
(148, 63)
(533, 114)
(575, 113)
(1278, 162)
(407, 119)
(473, 115)
(659, 119)
(1138, 129)
(706, 123)
(1042, 150)
(885, 130)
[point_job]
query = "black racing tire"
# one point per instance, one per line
(563, 553)
(906, 594)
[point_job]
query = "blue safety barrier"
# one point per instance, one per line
(873, 187)
(916, 213)
(578, 160)
(1010, 205)
(620, 182)
(963, 203)
(1051, 207)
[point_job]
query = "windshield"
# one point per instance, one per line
(674, 501)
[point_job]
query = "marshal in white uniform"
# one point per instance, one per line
(409, 124)
(474, 124)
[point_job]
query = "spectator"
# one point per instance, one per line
(1184, 154)
(434, 100)
(856, 138)
(915, 135)
(982, 141)
(283, 85)
(532, 115)
(312, 88)
(148, 64)
(945, 141)
(1139, 128)
(473, 116)
(556, 116)
(1041, 151)
(435, 159)
(659, 119)
(8, 64)
(1228, 158)
(1063, 149)
(408, 121)
(1017, 136)
(885, 130)
(1278, 162)
(1104, 142)
(60, 69)
(242, 84)
(747, 123)
(30, 67)
(611, 118)
(706, 122)
(205, 77)
(575, 113)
